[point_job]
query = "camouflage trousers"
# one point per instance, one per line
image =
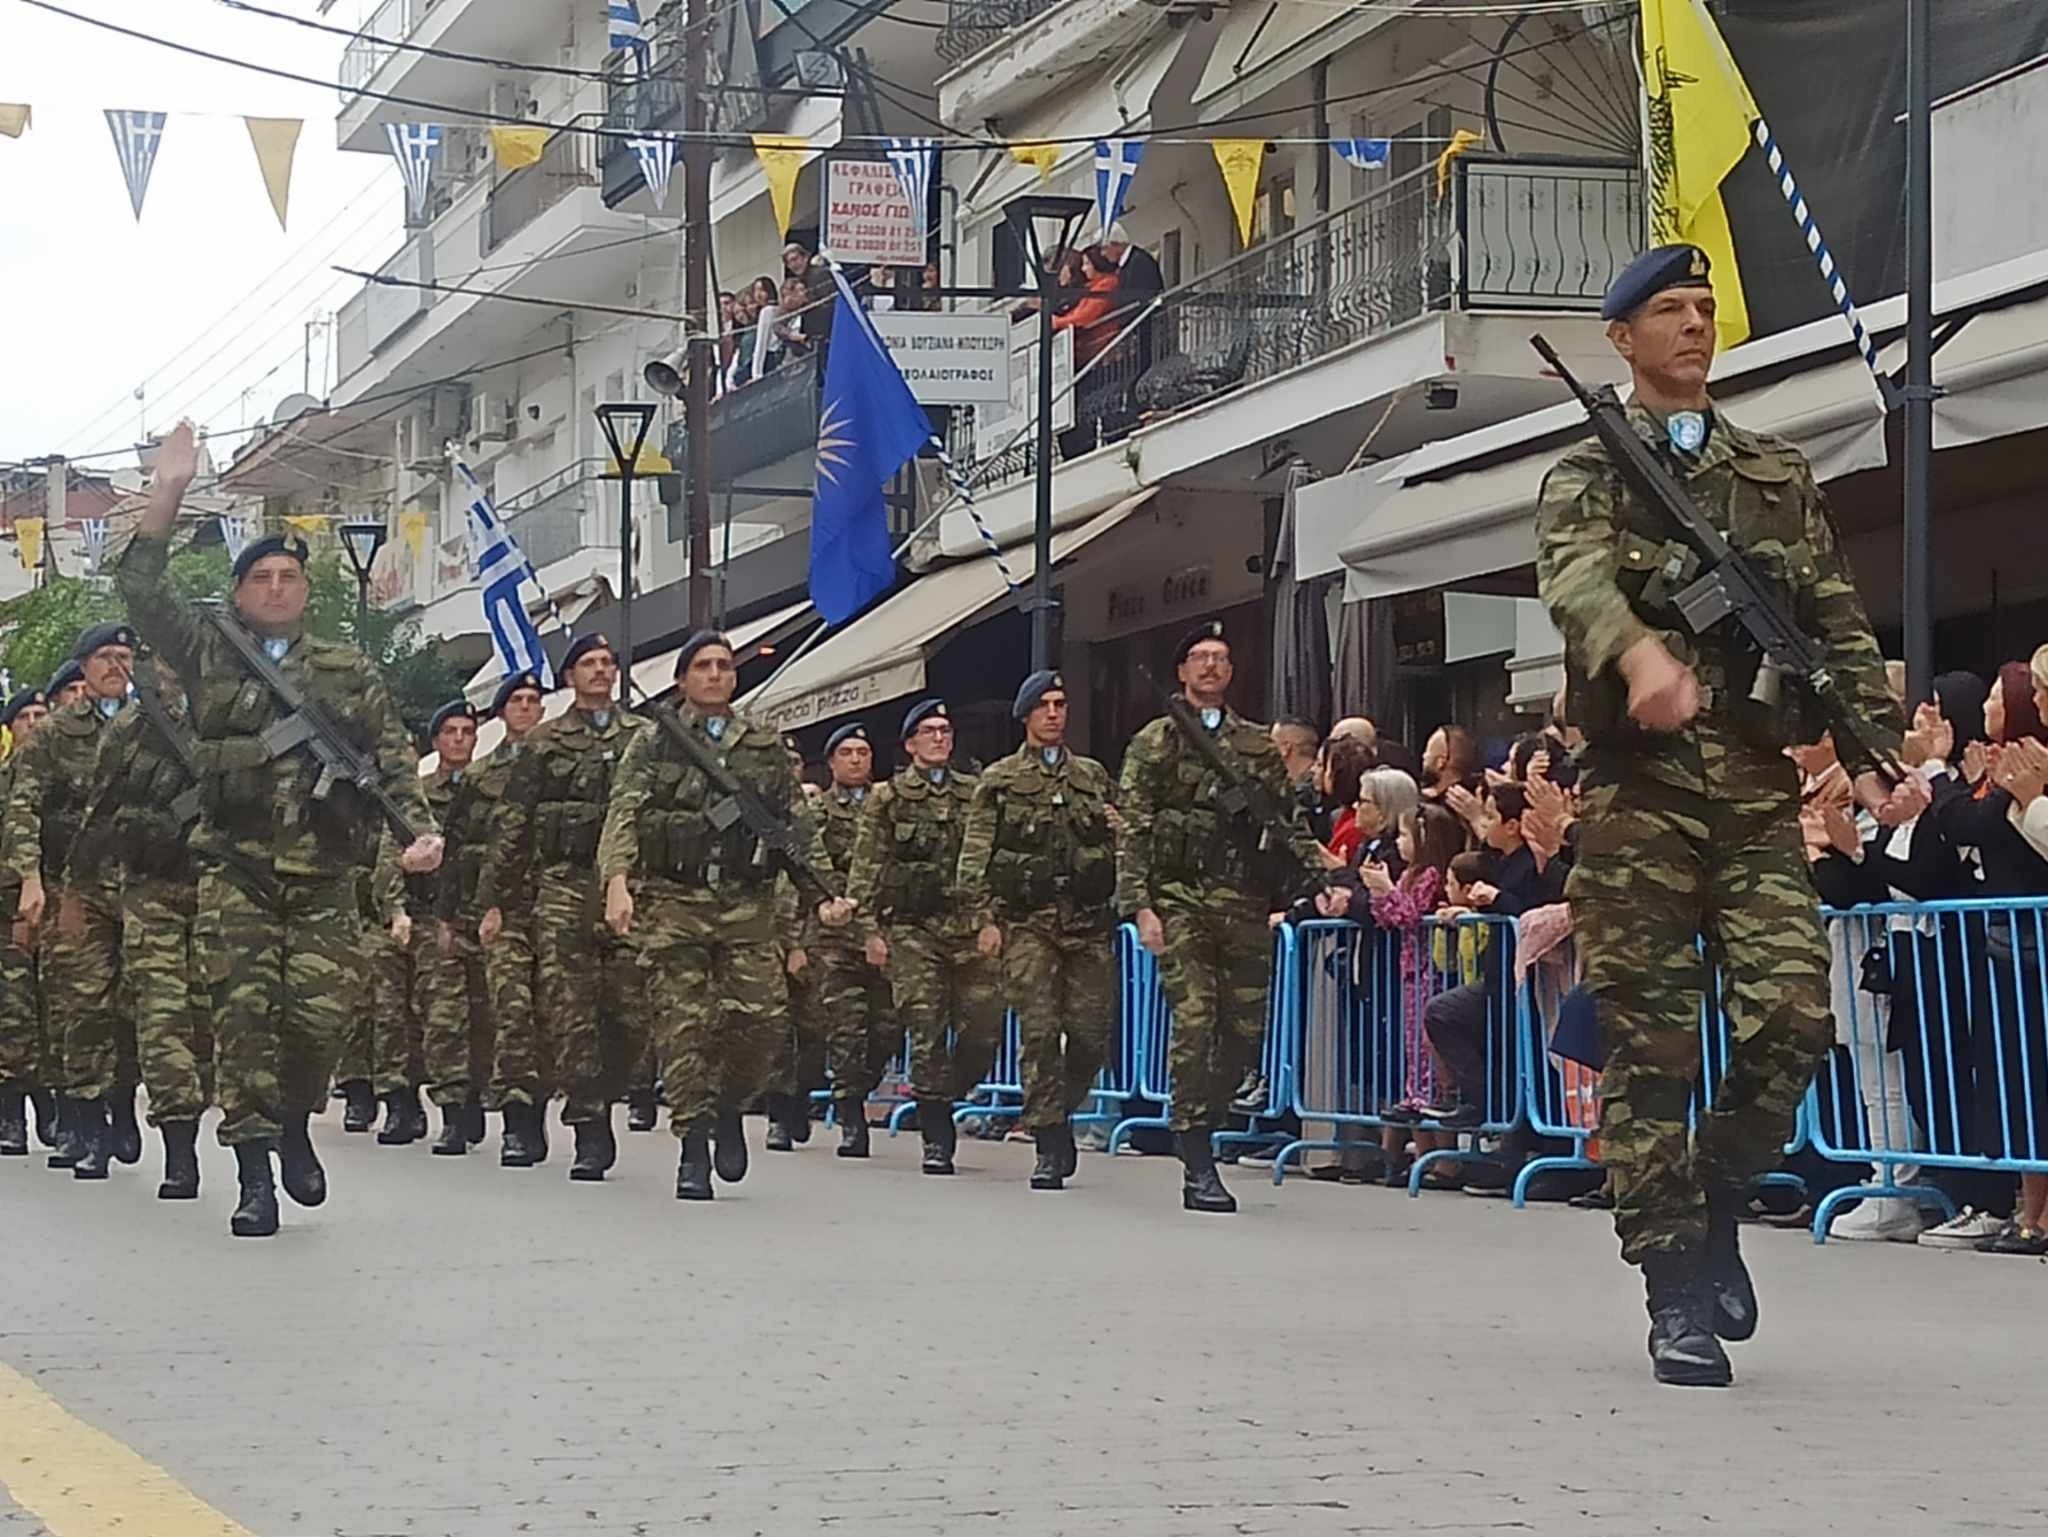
(848, 1006)
(1063, 986)
(91, 1021)
(523, 1065)
(385, 1042)
(284, 970)
(24, 1052)
(1661, 869)
(801, 1061)
(173, 1023)
(458, 1041)
(950, 999)
(590, 1005)
(1216, 972)
(714, 975)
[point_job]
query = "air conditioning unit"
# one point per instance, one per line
(420, 448)
(492, 418)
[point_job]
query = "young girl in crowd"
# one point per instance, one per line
(1430, 838)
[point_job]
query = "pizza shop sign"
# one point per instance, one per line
(1138, 603)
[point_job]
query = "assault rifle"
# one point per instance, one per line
(1728, 586)
(1242, 794)
(184, 806)
(306, 724)
(777, 838)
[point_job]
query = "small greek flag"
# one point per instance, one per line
(657, 155)
(1365, 154)
(417, 149)
(913, 160)
(95, 530)
(137, 136)
(234, 534)
(1116, 162)
(627, 29)
(501, 568)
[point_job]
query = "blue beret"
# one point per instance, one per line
(513, 685)
(1035, 688)
(1659, 268)
(22, 701)
(920, 712)
(582, 646)
(855, 732)
(1208, 629)
(102, 635)
(696, 643)
(454, 709)
(63, 678)
(269, 544)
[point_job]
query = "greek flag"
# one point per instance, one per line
(501, 568)
(657, 155)
(95, 531)
(913, 160)
(417, 149)
(1116, 162)
(234, 534)
(627, 29)
(137, 136)
(1365, 154)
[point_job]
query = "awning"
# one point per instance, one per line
(1990, 375)
(1328, 512)
(881, 655)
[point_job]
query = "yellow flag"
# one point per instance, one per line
(782, 156)
(1044, 156)
(1462, 142)
(14, 119)
(516, 147)
(307, 528)
(1699, 114)
(412, 532)
(276, 140)
(1239, 161)
(29, 532)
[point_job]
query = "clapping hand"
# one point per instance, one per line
(2023, 770)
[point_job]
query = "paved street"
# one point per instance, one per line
(455, 1348)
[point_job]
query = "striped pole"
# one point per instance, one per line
(963, 492)
(1830, 273)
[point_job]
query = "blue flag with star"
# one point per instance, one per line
(869, 427)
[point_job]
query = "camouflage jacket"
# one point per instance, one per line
(10, 883)
(906, 856)
(1038, 844)
(129, 826)
(1607, 565)
(260, 810)
(554, 804)
(46, 802)
(475, 816)
(836, 816)
(1180, 848)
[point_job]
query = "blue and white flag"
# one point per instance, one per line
(627, 29)
(417, 149)
(95, 531)
(913, 160)
(501, 569)
(137, 136)
(1116, 163)
(234, 534)
(1365, 154)
(657, 155)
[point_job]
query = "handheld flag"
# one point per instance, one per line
(1116, 163)
(501, 567)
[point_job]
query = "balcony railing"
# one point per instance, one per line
(548, 518)
(971, 25)
(569, 161)
(1518, 234)
(367, 52)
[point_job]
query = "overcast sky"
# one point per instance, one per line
(96, 304)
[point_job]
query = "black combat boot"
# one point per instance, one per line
(693, 1173)
(1723, 1273)
(298, 1166)
(1045, 1173)
(853, 1127)
(95, 1139)
(474, 1127)
(359, 1103)
(45, 1105)
(404, 1121)
(181, 1161)
(516, 1148)
(127, 1130)
(1683, 1350)
(256, 1212)
(64, 1151)
(594, 1150)
(778, 1139)
(1200, 1189)
(1070, 1151)
(786, 1113)
(941, 1136)
(13, 1124)
(537, 1130)
(729, 1136)
(640, 1110)
(454, 1139)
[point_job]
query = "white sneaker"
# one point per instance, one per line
(1962, 1232)
(1879, 1219)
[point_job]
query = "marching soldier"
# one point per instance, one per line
(279, 937)
(458, 1046)
(385, 1048)
(133, 857)
(589, 1006)
(702, 895)
(1037, 872)
(1201, 882)
(914, 924)
(92, 1030)
(26, 1071)
(522, 1070)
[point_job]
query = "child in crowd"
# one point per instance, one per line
(1430, 838)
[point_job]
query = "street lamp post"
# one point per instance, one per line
(361, 542)
(626, 424)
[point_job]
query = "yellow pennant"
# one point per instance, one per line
(412, 532)
(516, 147)
(14, 119)
(29, 531)
(1044, 156)
(1239, 161)
(782, 156)
(307, 527)
(1462, 142)
(276, 140)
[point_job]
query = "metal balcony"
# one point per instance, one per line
(971, 25)
(549, 517)
(569, 161)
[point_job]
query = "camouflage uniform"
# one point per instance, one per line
(1695, 833)
(843, 1000)
(1213, 879)
(1037, 859)
(707, 910)
(905, 862)
(459, 1044)
(25, 1060)
(800, 1039)
(383, 1045)
(590, 1008)
(277, 930)
(522, 1067)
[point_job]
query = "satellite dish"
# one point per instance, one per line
(292, 407)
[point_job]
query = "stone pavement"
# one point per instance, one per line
(452, 1348)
